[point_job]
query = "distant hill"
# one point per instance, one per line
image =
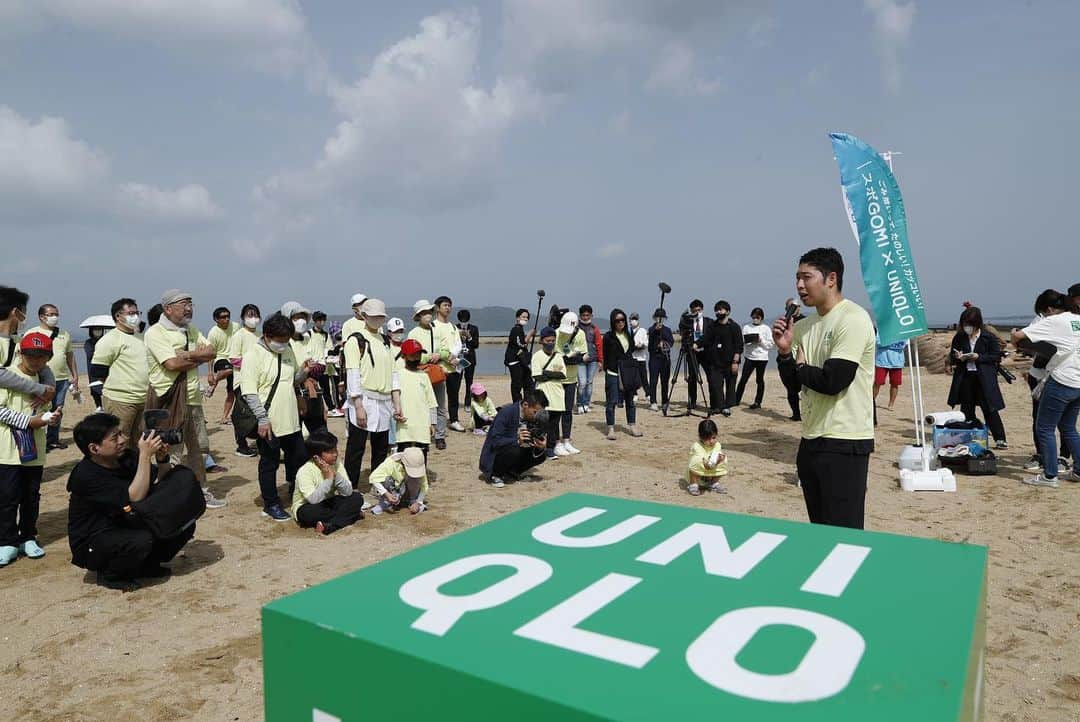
(491, 320)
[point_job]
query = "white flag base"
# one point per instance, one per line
(930, 480)
(917, 458)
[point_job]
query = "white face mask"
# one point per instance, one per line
(969, 330)
(277, 346)
(633, 323)
(51, 321)
(523, 322)
(397, 336)
(132, 320)
(756, 321)
(252, 321)
(300, 325)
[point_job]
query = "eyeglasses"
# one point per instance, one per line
(185, 304)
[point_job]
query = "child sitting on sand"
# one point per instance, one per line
(707, 462)
(483, 409)
(401, 481)
(324, 497)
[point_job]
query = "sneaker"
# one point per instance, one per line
(497, 483)
(8, 555)
(716, 487)
(588, 408)
(1065, 464)
(1033, 464)
(31, 549)
(694, 490)
(246, 452)
(275, 512)
(634, 431)
(217, 469)
(726, 413)
(212, 502)
(795, 417)
(440, 444)
(55, 446)
(119, 583)
(561, 450)
(479, 432)
(1001, 445)
(550, 453)
(610, 436)
(1040, 480)
(1073, 476)
(753, 407)
(653, 407)
(571, 448)
(335, 413)
(456, 426)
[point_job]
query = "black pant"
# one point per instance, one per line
(314, 414)
(123, 553)
(696, 373)
(520, 381)
(516, 460)
(722, 386)
(757, 367)
(354, 450)
(453, 395)
(480, 423)
(20, 500)
(659, 370)
(833, 486)
(467, 376)
(570, 396)
(971, 395)
(553, 426)
(1062, 445)
(270, 459)
(328, 386)
(793, 402)
(336, 512)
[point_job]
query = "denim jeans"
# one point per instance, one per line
(442, 414)
(613, 396)
(1059, 407)
(585, 374)
(52, 433)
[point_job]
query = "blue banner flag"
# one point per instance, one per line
(876, 212)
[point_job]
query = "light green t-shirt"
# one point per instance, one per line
(161, 345)
(391, 473)
(552, 388)
(220, 339)
(22, 404)
(846, 332)
(568, 347)
(308, 478)
(417, 402)
(353, 325)
(376, 364)
(447, 340)
(125, 355)
(699, 454)
(61, 347)
(257, 374)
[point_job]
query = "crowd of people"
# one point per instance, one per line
(400, 392)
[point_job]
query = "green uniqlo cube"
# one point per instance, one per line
(595, 608)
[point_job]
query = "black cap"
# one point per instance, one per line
(1074, 290)
(659, 313)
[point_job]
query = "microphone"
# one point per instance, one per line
(790, 312)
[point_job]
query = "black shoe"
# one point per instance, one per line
(440, 444)
(796, 417)
(154, 571)
(246, 451)
(118, 583)
(54, 445)
(751, 407)
(725, 412)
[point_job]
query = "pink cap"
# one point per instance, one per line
(477, 389)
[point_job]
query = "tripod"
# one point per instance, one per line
(692, 368)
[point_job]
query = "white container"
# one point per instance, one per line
(938, 480)
(911, 458)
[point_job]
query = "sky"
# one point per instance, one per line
(268, 150)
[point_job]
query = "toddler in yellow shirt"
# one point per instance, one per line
(707, 461)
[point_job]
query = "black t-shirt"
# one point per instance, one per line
(98, 498)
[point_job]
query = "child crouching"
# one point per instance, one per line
(401, 481)
(483, 409)
(707, 462)
(324, 497)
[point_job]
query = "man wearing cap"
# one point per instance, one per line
(436, 351)
(356, 323)
(62, 365)
(22, 454)
(175, 348)
(369, 373)
(660, 342)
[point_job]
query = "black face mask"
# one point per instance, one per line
(412, 365)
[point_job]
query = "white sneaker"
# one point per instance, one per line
(560, 449)
(588, 408)
(457, 426)
(1040, 480)
(212, 502)
(1032, 464)
(335, 413)
(570, 447)
(497, 483)
(653, 407)
(1073, 476)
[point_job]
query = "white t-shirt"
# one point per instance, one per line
(1063, 331)
(641, 344)
(759, 350)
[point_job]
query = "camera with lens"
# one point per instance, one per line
(537, 425)
(152, 421)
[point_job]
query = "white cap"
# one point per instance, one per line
(422, 306)
(357, 298)
(373, 307)
(394, 325)
(291, 308)
(569, 322)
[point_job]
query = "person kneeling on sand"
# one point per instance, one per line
(401, 482)
(323, 498)
(483, 409)
(707, 461)
(105, 534)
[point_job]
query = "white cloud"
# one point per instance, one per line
(611, 250)
(270, 35)
(46, 175)
(677, 72)
(419, 131)
(892, 27)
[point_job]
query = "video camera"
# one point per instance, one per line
(536, 426)
(152, 421)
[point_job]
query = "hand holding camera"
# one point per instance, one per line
(153, 420)
(150, 443)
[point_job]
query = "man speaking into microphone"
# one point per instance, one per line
(830, 359)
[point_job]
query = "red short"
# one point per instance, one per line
(895, 376)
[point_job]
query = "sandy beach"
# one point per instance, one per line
(189, 647)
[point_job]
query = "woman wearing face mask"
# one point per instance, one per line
(240, 344)
(640, 353)
(975, 355)
(758, 341)
(267, 377)
(516, 358)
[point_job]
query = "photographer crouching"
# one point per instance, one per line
(517, 439)
(112, 528)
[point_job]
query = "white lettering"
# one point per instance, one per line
(718, 557)
(441, 612)
(553, 532)
(825, 669)
(836, 570)
(558, 625)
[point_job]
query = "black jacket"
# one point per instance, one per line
(989, 349)
(721, 342)
(613, 350)
(472, 344)
(516, 348)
